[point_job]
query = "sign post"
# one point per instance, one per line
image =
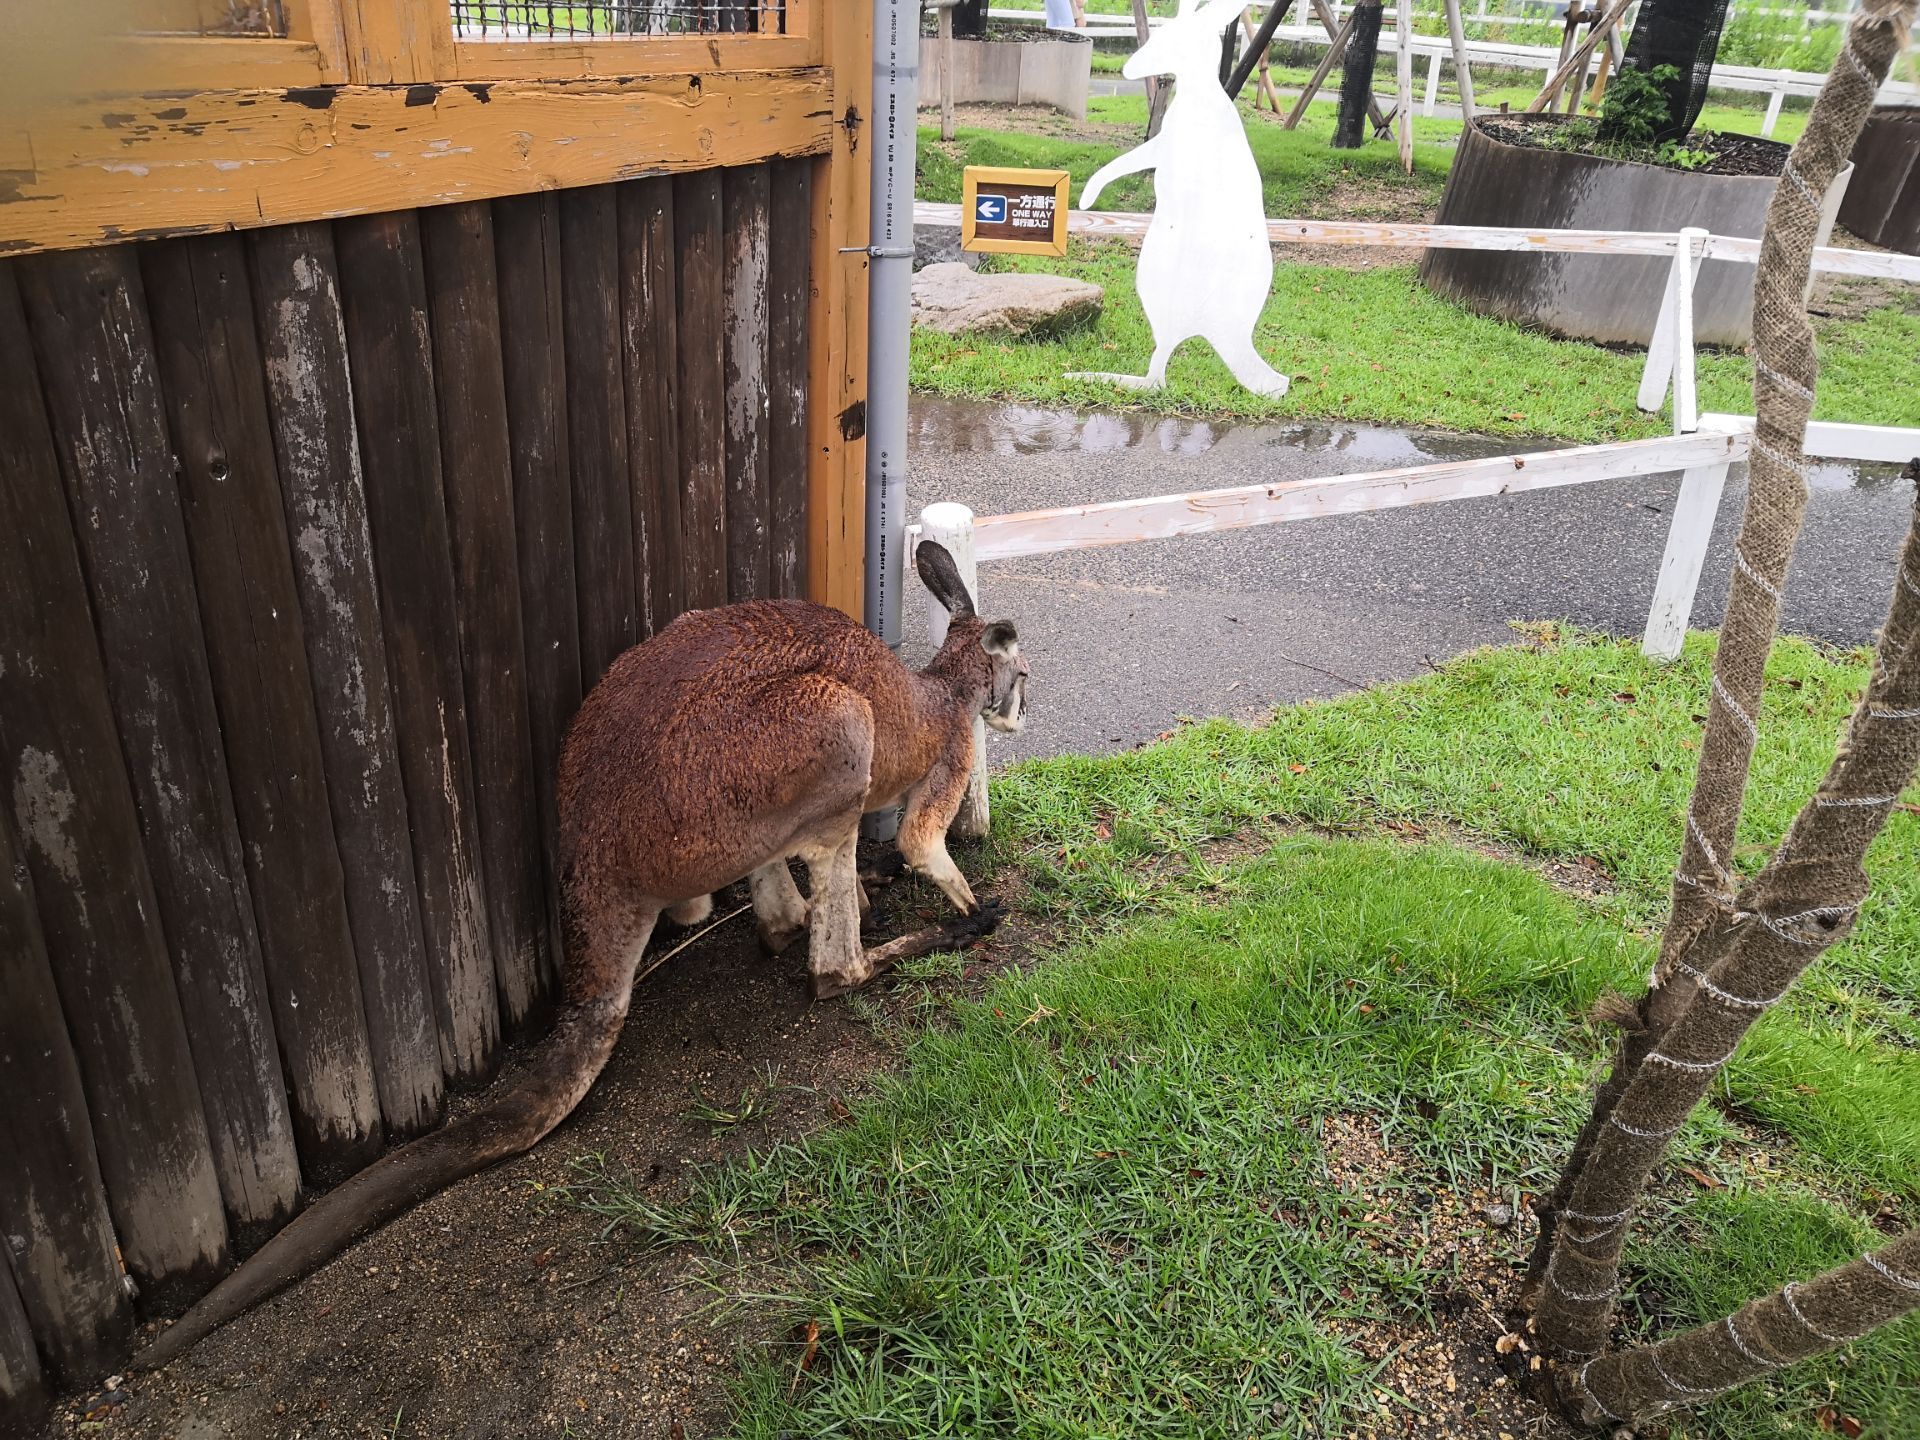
(1014, 212)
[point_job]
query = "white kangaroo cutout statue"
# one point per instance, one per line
(1206, 265)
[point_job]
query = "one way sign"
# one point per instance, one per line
(1014, 212)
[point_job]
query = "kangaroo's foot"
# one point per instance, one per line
(1125, 382)
(778, 909)
(955, 934)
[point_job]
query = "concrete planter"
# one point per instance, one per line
(1883, 202)
(1011, 72)
(1614, 300)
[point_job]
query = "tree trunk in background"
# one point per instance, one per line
(1356, 76)
(970, 19)
(1683, 34)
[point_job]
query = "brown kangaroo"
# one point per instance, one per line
(733, 740)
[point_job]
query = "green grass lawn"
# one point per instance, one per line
(1364, 345)
(1376, 345)
(1101, 1198)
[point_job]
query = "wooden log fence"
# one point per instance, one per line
(365, 388)
(312, 539)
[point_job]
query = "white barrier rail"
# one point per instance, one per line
(1702, 458)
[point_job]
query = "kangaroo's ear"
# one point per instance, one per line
(942, 578)
(1000, 639)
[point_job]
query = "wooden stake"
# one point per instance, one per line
(1327, 62)
(1157, 92)
(1462, 76)
(1577, 62)
(946, 72)
(1403, 28)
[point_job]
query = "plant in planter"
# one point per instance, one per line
(1637, 165)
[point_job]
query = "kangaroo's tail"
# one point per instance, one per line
(507, 1124)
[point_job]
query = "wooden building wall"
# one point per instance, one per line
(311, 539)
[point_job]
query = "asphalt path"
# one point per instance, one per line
(1123, 641)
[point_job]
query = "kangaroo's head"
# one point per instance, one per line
(1186, 47)
(980, 657)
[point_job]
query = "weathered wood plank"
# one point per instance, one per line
(97, 169)
(789, 278)
(211, 374)
(397, 41)
(23, 1389)
(469, 378)
(53, 1205)
(697, 225)
(384, 300)
(746, 200)
(527, 250)
(649, 337)
(837, 326)
(597, 429)
(65, 778)
(303, 347)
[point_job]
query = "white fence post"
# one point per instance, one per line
(1686, 553)
(1774, 102)
(1433, 84)
(1686, 407)
(951, 525)
(1671, 350)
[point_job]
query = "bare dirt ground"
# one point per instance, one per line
(497, 1311)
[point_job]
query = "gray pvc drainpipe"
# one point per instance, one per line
(896, 87)
(896, 94)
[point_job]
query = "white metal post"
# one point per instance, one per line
(1774, 102)
(1686, 553)
(1664, 350)
(951, 525)
(1686, 407)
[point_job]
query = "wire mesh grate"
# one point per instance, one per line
(524, 19)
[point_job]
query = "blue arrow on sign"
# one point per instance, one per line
(990, 209)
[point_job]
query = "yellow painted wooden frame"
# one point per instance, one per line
(128, 168)
(977, 175)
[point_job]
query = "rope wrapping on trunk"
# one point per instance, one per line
(1786, 367)
(1803, 902)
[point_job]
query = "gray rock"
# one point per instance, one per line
(940, 245)
(953, 299)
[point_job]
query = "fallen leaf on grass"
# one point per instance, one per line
(1835, 1423)
(806, 1355)
(1702, 1179)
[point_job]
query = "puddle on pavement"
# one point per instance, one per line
(961, 427)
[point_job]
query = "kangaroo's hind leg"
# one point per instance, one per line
(691, 912)
(1247, 365)
(778, 908)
